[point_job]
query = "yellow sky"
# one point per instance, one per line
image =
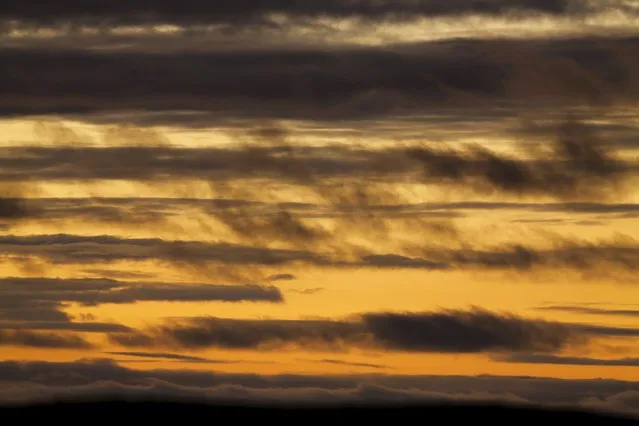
(344, 292)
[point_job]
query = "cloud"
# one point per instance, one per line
(72, 249)
(170, 357)
(562, 360)
(327, 83)
(42, 340)
(20, 320)
(248, 13)
(595, 258)
(42, 381)
(12, 208)
(234, 260)
(473, 331)
(38, 303)
(349, 364)
(281, 277)
(585, 310)
(573, 166)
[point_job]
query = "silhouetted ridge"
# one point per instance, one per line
(450, 413)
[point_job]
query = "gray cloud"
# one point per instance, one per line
(576, 164)
(585, 310)
(170, 357)
(281, 277)
(41, 381)
(561, 360)
(38, 303)
(349, 364)
(325, 83)
(249, 13)
(40, 340)
(594, 258)
(72, 249)
(19, 319)
(473, 331)
(32, 305)
(231, 260)
(140, 211)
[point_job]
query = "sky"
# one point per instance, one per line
(325, 200)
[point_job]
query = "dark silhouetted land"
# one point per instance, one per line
(189, 413)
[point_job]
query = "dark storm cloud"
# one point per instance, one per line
(316, 83)
(561, 360)
(34, 339)
(585, 310)
(249, 12)
(42, 381)
(472, 331)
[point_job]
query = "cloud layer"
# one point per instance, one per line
(41, 381)
(329, 83)
(246, 12)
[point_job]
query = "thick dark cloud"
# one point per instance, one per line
(562, 360)
(473, 331)
(314, 83)
(42, 381)
(40, 340)
(248, 12)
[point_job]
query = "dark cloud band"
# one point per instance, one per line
(313, 83)
(248, 12)
(472, 331)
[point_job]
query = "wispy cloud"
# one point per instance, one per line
(563, 360)
(42, 340)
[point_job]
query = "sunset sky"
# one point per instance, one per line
(320, 200)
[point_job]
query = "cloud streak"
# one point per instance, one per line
(473, 331)
(30, 304)
(26, 338)
(561, 360)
